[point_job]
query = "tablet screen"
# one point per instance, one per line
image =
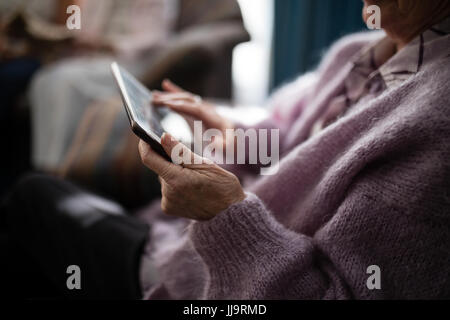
(138, 102)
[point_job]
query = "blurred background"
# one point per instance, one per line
(60, 110)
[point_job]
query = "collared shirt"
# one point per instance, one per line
(379, 67)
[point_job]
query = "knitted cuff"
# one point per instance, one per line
(242, 234)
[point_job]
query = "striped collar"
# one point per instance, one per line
(378, 67)
(430, 45)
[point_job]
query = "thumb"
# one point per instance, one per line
(179, 153)
(156, 163)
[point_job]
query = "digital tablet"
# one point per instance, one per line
(145, 120)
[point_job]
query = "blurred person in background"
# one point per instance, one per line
(126, 31)
(75, 66)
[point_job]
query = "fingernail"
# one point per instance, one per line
(166, 138)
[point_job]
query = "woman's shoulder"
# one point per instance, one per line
(417, 110)
(429, 91)
(430, 84)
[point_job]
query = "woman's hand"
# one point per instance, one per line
(196, 190)
(191, 107)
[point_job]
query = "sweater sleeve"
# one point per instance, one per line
(249, 255)
(401, 229)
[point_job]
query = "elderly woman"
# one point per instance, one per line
(359, 207)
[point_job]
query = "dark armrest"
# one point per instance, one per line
(195, 49)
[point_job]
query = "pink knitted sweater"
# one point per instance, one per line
(372, 188)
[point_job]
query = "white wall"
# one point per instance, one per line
(251, 60)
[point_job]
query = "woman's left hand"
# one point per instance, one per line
(196, 189)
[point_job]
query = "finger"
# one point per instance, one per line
(156, 96)
(180, 154)
(189, 108)
(156, 163)
(170, 86)
(162, 100)
(164, 97)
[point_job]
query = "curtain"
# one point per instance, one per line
(304, 29)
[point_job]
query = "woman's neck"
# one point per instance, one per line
(411, 31)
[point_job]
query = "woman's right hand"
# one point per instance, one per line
(191, 107)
